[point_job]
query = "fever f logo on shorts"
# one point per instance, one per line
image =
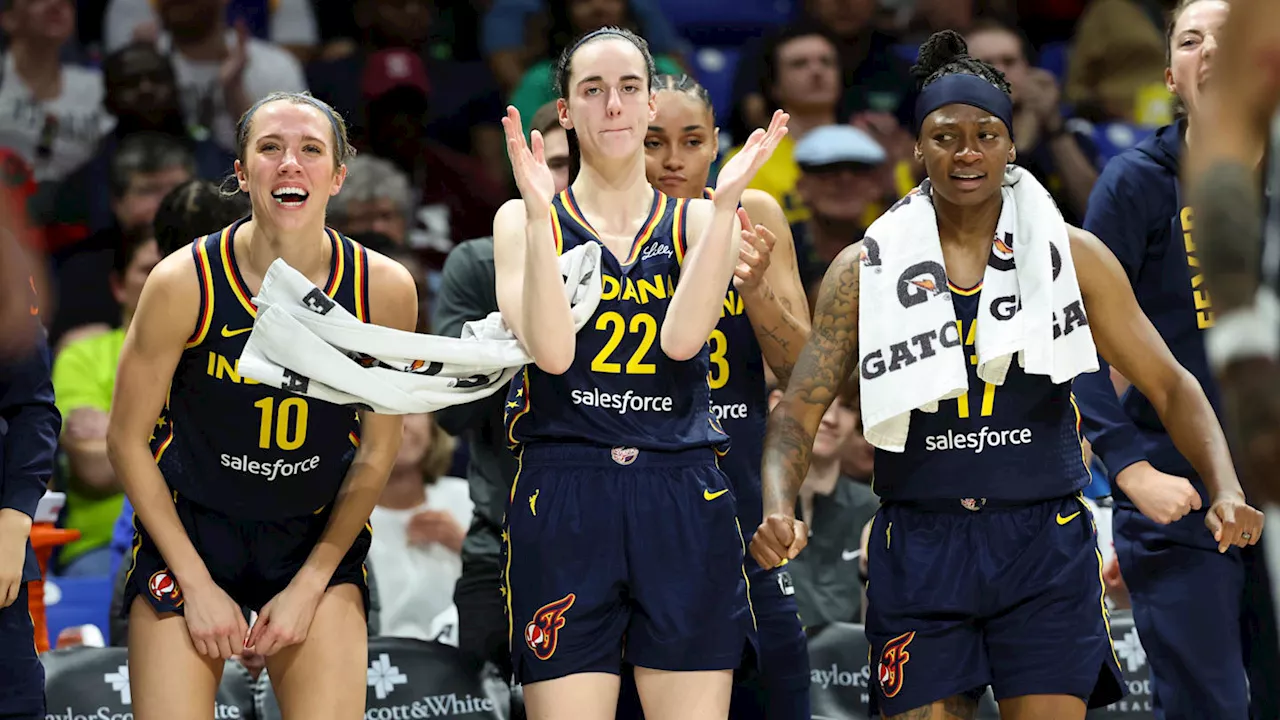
(893, 658)
(543, 631)
(164, 587)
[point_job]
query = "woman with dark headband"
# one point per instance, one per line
(983, 563)
(622, 541)
(246, 494)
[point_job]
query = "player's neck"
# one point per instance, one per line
(967, 226)
(304, 250)
(39, 66)
(404, 490)
(822, 477)
(614, 196)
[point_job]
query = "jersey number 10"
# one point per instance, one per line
(289, 421)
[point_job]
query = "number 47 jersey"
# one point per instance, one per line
(621, 390)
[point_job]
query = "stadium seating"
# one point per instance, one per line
(726, 22)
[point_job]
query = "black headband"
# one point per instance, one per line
(964, 89)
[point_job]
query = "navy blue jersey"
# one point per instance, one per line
(234, 445)
(739, 398)
(621, 389)
(1017, 441)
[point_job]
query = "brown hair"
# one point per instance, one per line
(439, 455)
(1174, 16)
(342, 148)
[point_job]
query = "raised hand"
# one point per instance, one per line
(741, 168)
(529, 164)
(755, 255)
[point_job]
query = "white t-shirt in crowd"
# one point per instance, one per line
(289, 22)
(55, 136)
(414, 582)
(269, 69)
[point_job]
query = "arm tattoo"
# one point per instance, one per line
(824, 366)
(1229, 224)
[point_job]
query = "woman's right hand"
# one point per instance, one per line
(215, 622)
(529, 163)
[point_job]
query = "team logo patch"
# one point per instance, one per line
(164, 587)
(893, 658)
(543, 632)
(624, 455)
(974, 504)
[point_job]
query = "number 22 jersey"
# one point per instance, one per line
(621, 390)
(231, 444)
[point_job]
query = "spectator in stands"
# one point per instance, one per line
(1061, 156)
(836, 507)
(569, 20)
(189, 208)
(375, 198)
(801, 75)
(513, 37)
(457, 196)
(464, 103)
(873, 77)
(221, 71)
(50, 112)
(930, 16)
(1117, 62)
(142, 94)
(84, 377)
(840, 183)
(288, 23)
(144, 169)
(857, 456)
(468, 292)
(418, 528)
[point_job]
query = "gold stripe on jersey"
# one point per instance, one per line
(522, 393)
(361, 279)
(167, 442)
(964, 291)
(339, 265)
(557, 232)
(228, 268)
(204, 273)
(1079, 435)
(678, 239)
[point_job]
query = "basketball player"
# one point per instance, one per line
(613, 426)
(245, 494)
(980, 572)
(28, 445)
(1189, 597)
(764, 319)
(1224, 181)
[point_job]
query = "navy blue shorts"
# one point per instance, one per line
(251, 560)
(783, 647)
(1187, 602)
(612, 549)
(1006, 597)
(21, 673)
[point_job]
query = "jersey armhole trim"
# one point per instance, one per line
(557, 234)
(204, 275)
(679, 230)
(360, 275)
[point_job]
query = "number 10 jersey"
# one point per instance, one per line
(621, 390)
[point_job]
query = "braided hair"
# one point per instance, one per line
(685, 84)
(946, 53)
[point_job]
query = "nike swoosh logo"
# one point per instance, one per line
(848, 554)
(708, 495)
(228, 332)
(1067, 519)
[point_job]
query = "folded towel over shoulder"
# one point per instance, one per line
(911, 350)
(304, 342)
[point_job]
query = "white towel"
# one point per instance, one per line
(305, 343)
(906, 309)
